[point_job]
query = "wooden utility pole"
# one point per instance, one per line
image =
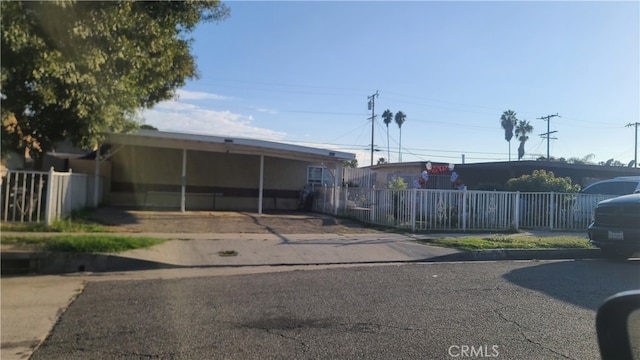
(372, 107)
(635, 151)
(547, 135)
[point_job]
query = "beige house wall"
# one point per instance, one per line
(151, 177)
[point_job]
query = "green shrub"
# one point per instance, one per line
(542, 181)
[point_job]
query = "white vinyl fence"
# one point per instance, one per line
(423, 209)
(38, 196)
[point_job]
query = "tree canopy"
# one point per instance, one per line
(77, 69)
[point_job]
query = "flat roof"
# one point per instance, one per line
(227, 144)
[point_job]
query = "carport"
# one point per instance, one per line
(245, 150)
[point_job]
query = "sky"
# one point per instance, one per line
(302, 72)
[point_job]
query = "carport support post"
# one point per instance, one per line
(183, 181)
(261, 186)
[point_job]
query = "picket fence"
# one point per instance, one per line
(40, 196)
(466, 210)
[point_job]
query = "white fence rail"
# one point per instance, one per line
(35, 196)
(421, 209)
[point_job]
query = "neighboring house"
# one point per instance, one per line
(493, 175)
(480, 175)
(200, 172)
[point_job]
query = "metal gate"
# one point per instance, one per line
(23, 196)
(35, 196)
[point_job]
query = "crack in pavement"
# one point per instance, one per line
(520, 328)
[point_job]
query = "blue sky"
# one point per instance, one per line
(301, 72)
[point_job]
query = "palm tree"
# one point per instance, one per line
(387, 117)
(508, 120)
(522, 129)
(400, 119)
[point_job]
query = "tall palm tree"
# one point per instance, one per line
(508, 121)
(387, 117)
(522, 129)
(400, 119)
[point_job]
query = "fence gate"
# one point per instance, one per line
(23, 194)
(35, 196)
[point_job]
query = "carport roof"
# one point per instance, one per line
(227, 144)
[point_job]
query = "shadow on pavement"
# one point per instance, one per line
(566, 281)
(114, 216)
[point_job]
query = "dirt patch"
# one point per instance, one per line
(128, 220)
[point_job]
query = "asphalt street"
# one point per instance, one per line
(503, 310)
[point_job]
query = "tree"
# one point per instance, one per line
(350, 163)
(522, 129)
(148, 127)
(381, 161)
(79, 69)
(542, 181)
(400, 119)
(508, 122)
(397, 183)
(387, 117)
(585, 160)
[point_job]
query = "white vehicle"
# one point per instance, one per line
(621, 185)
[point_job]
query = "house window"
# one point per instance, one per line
(319, 175)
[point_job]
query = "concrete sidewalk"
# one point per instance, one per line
(212, 250)
(184, 250)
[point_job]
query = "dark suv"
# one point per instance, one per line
(616, 226)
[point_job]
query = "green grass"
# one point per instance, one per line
(511, 241)
(85, 243)
(78, 221)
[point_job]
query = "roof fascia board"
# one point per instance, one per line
(247, 147)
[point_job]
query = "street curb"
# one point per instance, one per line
(20, 263)
(521, 254)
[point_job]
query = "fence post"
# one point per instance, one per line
(373, 206)
(516, 213)
(50, 198)
(414, 194)
(464, 209)
(552, 208)
(6, 197)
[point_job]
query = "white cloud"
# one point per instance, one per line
(198, 95)
(209, 122)
(175, 105)
(267, 111)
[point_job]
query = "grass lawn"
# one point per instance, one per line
(66, 225)
(82, 243)
(80, 221)
(509, 241)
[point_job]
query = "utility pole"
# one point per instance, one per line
(372, 107)
(635, 152)
(547, 135)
